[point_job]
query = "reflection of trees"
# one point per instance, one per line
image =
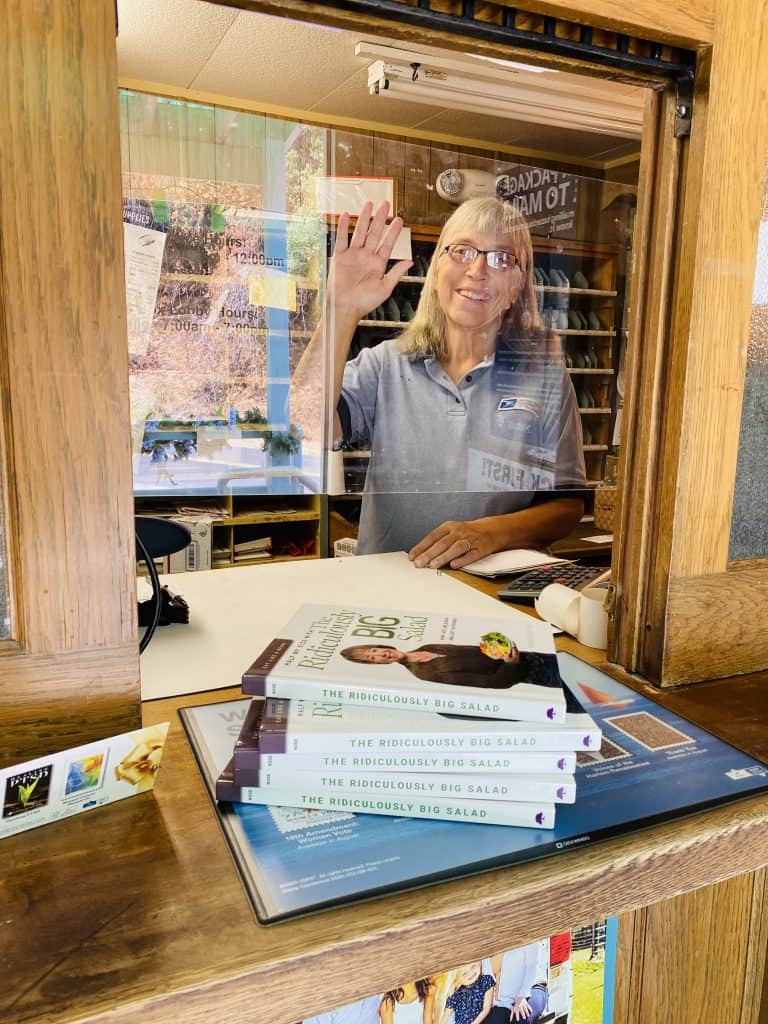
(207, 350)
(304, 161)
(183, 298)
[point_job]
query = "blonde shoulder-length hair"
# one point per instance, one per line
(425, 334)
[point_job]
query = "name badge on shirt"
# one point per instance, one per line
(519, 405)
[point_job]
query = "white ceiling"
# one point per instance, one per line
(192, 44)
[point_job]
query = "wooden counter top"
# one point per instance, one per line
(135, 911)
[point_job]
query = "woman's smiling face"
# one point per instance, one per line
(474, 296)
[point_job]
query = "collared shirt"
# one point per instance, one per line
(439, 450)
(519, 968)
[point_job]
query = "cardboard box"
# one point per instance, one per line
(197, 554)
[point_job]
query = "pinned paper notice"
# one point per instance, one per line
(269, 288)
(144, 248)
(402, 248)
(347, 194)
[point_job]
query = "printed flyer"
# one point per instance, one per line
(49, 788)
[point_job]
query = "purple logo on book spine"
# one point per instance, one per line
(561, 764)
(587, 741)
(550, 713)
(539, 817)
(561, 792)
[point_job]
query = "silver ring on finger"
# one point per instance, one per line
(467, 547)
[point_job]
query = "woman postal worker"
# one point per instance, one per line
(470, 415)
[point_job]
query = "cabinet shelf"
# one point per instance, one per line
(595, 447)
(552, 289)
(259, 518)
(587, 334)
(266, 561)
(594, 412)
(589, 369)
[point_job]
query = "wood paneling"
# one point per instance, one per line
(62, 325)
(629, 968)
(685, 937)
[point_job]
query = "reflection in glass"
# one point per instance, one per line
(224, 257)
(229, 218)
(749, 525)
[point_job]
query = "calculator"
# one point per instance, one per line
(527, 587)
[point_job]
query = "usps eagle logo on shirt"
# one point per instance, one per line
(519, 405)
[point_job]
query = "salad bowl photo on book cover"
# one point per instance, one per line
(503, 667)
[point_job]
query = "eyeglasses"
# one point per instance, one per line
(497, 259)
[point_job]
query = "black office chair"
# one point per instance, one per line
(157, 538)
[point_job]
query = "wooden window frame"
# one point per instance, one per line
(71, 673)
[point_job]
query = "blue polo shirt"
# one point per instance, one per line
(507, 432)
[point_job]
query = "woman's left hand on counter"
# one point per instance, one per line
(455, 544)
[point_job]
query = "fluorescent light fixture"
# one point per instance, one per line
(564, 101)
(515, 65)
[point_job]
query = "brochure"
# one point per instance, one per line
(652, 766)
(59, 785)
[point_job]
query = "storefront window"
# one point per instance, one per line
(749, 526)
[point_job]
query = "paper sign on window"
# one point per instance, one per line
(272, 289)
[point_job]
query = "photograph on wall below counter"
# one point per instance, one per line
(565, 979)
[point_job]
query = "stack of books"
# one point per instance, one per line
(409, 714)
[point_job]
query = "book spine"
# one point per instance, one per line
(533, 788)
(487, 812)
(460, 742)
(550, 709)
(272, 735)
(246, 749)
(254, 678)
(505, 764)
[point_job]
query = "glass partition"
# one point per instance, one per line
(749, 525)
(224, 260)
(229, 221)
